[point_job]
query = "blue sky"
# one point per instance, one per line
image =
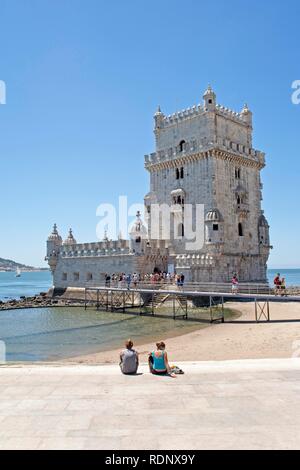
(84, 79)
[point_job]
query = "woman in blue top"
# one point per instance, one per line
(158, 360)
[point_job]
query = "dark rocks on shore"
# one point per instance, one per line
(38, 301)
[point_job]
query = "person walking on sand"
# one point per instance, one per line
(234, 284)
(129, 359)
(158, 361)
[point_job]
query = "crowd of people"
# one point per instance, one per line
(133, 279)
(279, 285)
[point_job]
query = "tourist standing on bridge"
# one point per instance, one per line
(135, 280)
(234, 284)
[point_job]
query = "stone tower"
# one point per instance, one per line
(204, 155)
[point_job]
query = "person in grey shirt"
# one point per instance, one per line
(129, 359)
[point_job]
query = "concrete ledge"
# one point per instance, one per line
(249, 404)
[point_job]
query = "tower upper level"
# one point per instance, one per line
(201, 128)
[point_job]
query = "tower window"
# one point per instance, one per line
(138, 240)
(237, 173)
(177, 174)
(181, 172)
(181, 230)
(76, 276)
(89, 277)
(181, 145)
(215, 227)
(240, 228)
(210, 101)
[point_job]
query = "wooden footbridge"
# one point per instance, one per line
(149, 299)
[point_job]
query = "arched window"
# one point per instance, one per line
(181, 230)
(181, 145)
(241, 233)
(138, 240)
(179, 200)
(237, 173)
(181, 172)
(238, 200)
(177, 174)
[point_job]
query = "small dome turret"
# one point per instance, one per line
(246, 114)
(209, 98)
(213, 215)
(262, 222)
(138, 234)
(138, 229)
(70, 240)
(54, 235)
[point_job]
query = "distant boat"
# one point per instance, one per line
(18, 272)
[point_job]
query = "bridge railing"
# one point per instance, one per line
(250, 288)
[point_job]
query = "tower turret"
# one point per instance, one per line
(209, 98)
(247, 115)
(70, 241)
(158, 118)
(54, 243)
(138, 234)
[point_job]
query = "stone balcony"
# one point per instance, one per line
(204, 145)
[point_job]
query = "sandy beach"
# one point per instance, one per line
(241, 338)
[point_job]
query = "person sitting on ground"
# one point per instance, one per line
(129, 359)
(158, 360)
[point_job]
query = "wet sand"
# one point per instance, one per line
(241, 338)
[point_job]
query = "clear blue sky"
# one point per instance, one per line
(84, 78)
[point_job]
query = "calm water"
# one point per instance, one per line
(12, 287)
(292, 276)
(57, 333)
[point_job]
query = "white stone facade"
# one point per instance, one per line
(203, 155)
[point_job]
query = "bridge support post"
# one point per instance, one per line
(174, 309)
(262, 309)
(223, 315)
(210, 309)
(111, 301)
(97, 306)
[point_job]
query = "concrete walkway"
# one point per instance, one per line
(249, 404)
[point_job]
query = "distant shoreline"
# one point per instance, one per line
(37, 270)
